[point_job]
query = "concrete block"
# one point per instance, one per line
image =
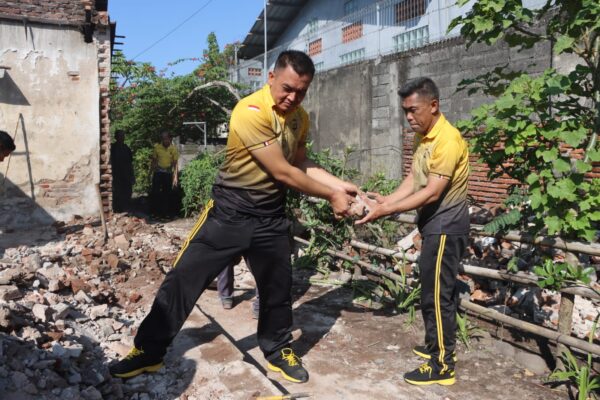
(381, 112)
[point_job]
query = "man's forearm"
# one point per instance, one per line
(412, 202)
(296, 179)
(318, 173)
(405, 189)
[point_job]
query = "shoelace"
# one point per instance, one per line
(134, 353)
(425, 369)
(289, 356)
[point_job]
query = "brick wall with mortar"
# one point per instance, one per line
(447, 63)
(55, 10)
(104, 62)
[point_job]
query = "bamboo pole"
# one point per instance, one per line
(532, 328)
(518, 277)
(557, 243)
(559, 337)
(565, 322)
(102, 217)
(367, 266)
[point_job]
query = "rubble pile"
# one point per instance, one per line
(70, 306)
(529, 303)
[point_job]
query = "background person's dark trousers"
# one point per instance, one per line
(161, 194)
(225, 282)
(438, 266)
(219, 237)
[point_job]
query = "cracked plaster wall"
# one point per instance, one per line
(51, 92)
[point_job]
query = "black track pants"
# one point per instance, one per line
(438, 265)
(220, 237)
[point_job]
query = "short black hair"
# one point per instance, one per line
(6, 142)
(298, 60)
(423, 86)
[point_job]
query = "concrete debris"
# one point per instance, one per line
(66, 305)
(70, 306)
(523, 302)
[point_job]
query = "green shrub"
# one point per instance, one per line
(142, 162)
(197, 179)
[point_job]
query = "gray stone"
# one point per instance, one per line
(43, 364)
(5, 318)
(21, 381)
(74, 378)
(532, 362)
(53, 272)
(122, 242)
(505, 348)
(58, 350)
(60, 311)
(54, 285)
(34, 262)
(41, 312)
(74, 350)
(9, 275)
(10, 292)
(70, 393)
(91, 376)
(31, 334)
(82, 297)
(91, 393)
(99, 311)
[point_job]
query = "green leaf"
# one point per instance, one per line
(561, 165)
(554, 224)
(549, 155)
(563, 43)
(532, 178)
(575, 137)
(582, 167)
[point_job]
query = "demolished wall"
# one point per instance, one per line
(54, 100)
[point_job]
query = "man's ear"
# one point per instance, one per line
(435, 106)
(271, 77)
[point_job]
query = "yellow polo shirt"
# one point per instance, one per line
(165, 156)
(242, 183)
(445, 153)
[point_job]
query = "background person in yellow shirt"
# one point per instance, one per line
(164, 178)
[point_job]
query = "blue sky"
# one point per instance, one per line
(144, 22)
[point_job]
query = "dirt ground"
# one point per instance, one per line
(351, 352)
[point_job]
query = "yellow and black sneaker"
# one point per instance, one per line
(425, 352)
(290, 366)
(135, 363)
(425, 375)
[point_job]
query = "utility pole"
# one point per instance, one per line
(265, 34)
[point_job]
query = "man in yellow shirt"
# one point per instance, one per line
(265, 154)
(164, 178)
(437, 187)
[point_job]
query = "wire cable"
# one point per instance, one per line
(174, 29)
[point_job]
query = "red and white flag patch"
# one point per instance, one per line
(253, 107)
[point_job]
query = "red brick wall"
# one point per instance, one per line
(57, 10)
